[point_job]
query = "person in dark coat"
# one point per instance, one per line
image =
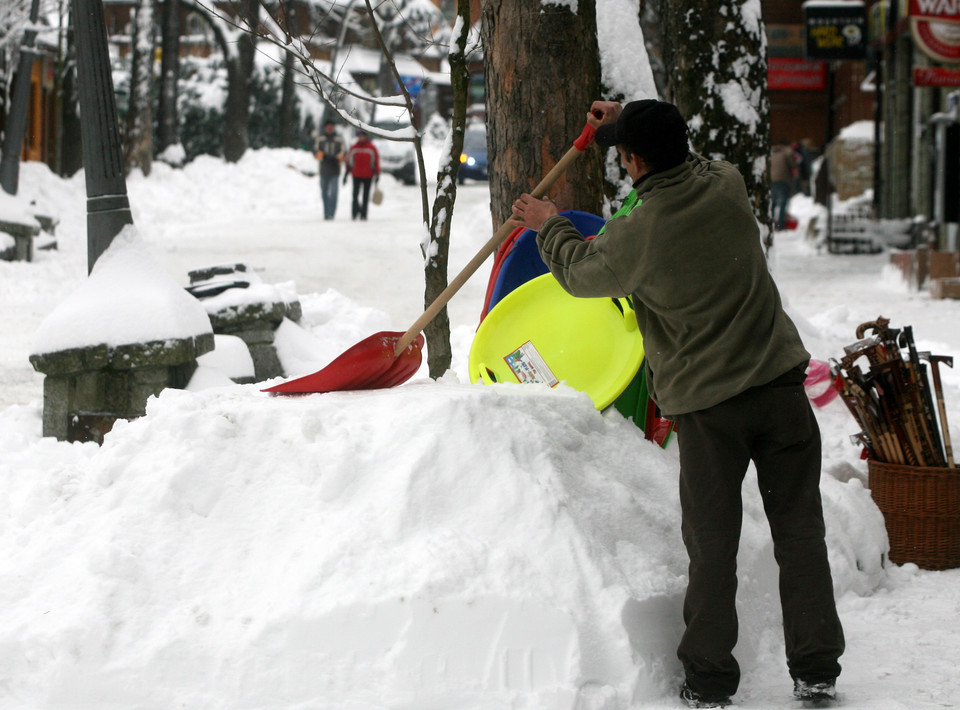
(330, 151)
(363, 163)
(782, 166)
(725, 362)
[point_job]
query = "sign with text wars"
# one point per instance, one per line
(835, 30)
(935, 26)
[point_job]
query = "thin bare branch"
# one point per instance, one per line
(388, 57)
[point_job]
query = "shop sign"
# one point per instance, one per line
(835, 30)
(935, 26)
(789, 74)
(785, 40)
(936, 9)
(936, 76)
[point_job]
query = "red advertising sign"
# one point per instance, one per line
(936, 9)
(935, 25)
(789, 74)
(936, 76)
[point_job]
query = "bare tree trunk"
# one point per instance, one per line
(288, 118)
(15, 122)
(437, 331)
(236, 134)
(168, 130)
(70, 145)
(288, 100)
(542, 72)
(718, 74)
(138, 144)
(650, 26)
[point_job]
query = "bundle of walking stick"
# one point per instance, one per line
(891, 399)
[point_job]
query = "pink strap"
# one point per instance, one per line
(819, 371)
(825, 397)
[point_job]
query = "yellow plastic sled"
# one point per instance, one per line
(539, 333)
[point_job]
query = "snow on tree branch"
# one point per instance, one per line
(15, 21)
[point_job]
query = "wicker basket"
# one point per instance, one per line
(921, 509)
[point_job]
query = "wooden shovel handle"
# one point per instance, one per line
(579, 146)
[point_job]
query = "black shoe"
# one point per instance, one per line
(693, 699)
(822, 694)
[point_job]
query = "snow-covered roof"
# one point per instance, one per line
(361, 60)
(858, 131)
(832, 3)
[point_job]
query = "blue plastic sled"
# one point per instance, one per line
(518, 260)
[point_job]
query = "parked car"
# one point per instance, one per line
(397, 158)
(473, 159)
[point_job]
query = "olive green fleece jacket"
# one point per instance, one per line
(689, 255)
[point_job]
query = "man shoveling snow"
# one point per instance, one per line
(727, 364)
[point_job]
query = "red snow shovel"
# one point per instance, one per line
(388, 358)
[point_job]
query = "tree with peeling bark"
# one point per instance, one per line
(542, 72)
(715, 56)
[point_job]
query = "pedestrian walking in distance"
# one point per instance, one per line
(782, 167)
(330, 151)
(363, 163)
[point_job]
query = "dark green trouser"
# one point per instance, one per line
(775, 427)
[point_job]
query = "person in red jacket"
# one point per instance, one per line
(363, 162)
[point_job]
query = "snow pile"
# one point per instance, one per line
(244, 289)
(127, 299)
(16, 211)
(232, 550)
(858, 131)
(230, 357)
(173, 155)
(436, 545)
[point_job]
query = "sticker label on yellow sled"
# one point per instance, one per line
(529, 367)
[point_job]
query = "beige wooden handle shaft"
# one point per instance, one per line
(489, 248)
